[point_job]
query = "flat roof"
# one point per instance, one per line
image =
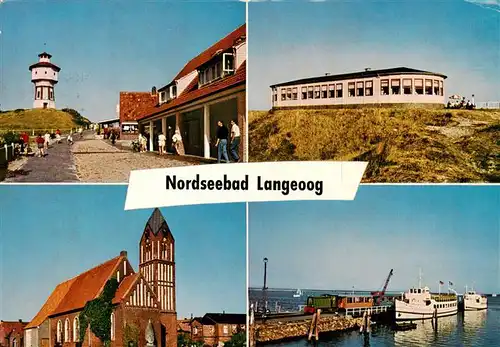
(361, 74)
(109, 121)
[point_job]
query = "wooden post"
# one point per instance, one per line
(311, 328)
(318, 316)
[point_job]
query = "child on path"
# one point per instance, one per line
(40, 141)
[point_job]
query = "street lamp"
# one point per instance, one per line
(265, 273)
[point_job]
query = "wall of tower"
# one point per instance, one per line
(44, 73)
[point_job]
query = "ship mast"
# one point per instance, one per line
(420, 278)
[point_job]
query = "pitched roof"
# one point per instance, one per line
(87, 286)
(125, 285)
(361, 74)
(51, 304)
(193, 93)
(224, 318)
(7, 327)
(222, 45)
(45, 54)
(184, 325)
(157, 223)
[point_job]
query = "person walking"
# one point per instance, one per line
(47, 140)
(161, 143)
(70, 138)
(235, 141)
(221, 144)
(113, 138)
(80, 131)
(40, 142)
(177, 142)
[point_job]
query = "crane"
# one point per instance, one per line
(379, 295)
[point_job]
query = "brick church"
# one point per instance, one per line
(143, 306)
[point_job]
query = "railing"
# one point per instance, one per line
(356, 311)
(7, 154)
(34, 132)
(488, 105)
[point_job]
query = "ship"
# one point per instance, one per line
(419, 303)
(298, 294)
(474, 301)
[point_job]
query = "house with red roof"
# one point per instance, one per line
(143, 304)
(11, 333)
(209, 88)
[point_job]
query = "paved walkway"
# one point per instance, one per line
(56, 166)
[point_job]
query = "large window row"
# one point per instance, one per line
(405, 86)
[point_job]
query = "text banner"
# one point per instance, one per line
(244, 182)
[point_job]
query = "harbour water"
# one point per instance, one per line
(468, 329)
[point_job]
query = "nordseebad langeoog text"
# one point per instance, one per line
(285, 186)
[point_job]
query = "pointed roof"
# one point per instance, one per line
(157, 223)
(74, 293)
(125, 286)
(45, 54)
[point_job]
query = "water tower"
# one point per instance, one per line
(44, 76)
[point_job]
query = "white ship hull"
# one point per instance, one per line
(475, 303)
(408, 311)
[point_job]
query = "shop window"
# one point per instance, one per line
(316, 92)
(395, 87)
(294, 93)
(310, 92)
(428, 87)
(340, 93)
(407, 86)
(289, 93)
(331, 91)
(360, 90)
(369, 88)
(441, 89)
(351, 86)
(324, 91)
(384, 87)
(419, 86)
(283, 94)
(304, 93)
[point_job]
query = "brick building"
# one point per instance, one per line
(11, 333)
(210, 87)
(142, 297)
(214, 328)
(132, 106)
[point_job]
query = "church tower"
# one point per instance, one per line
(44, 76)
(157, 260)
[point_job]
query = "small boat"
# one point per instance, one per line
(474, 301)
(298, 294)
(404, 326)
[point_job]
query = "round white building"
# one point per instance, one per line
(44, 76)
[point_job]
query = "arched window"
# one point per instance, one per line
(76, 329)
(112, 326)
(67, 338)
(59, 332)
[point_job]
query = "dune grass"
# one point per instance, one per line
(37, 119)
(401, 144)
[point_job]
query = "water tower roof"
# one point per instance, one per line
(44, 54)
(45, 64)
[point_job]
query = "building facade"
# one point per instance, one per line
(370, 87)
(209, 88)
(11, 333)
(44, 76)
(215, 328)
(143, 301)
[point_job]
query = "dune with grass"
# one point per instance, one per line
(400, 144)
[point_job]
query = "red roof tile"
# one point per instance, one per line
(224, 44)
(51, 304)
(87, 286)
(193, 93)
(125, 285)
(134, 104)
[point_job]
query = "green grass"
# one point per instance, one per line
(401, 144)
(35, 119)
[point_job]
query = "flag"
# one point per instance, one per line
(441, 282)
(450, 283)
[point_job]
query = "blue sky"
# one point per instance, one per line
(295, 39)
(52, 233)
(105, 47)
(450, 232)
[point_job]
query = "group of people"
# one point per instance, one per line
(43, 142)
(225, 137)
(468, 105)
